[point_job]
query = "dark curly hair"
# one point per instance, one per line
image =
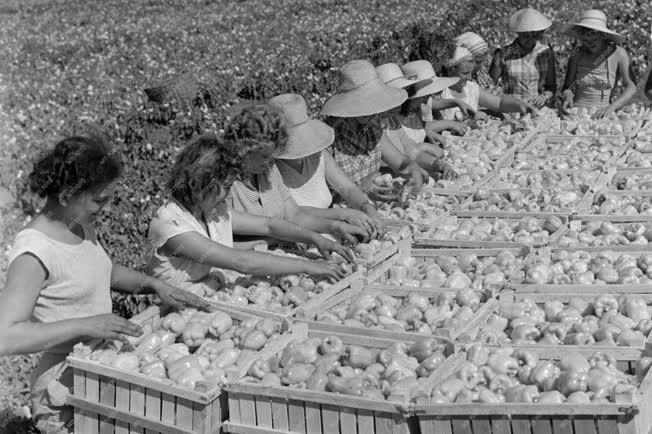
(436, 48)
(254, 128)
(202, 168)
(74, 165)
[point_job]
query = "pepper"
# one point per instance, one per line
(487, 396)
(327, 363)
(271, 380)
(259, 368)
(527, 362)
(347, 386)
(317, 381)
(525, 333)
(603, 304)
(544, 375)
(520, 393)
(588, 324)
(643, 366)
(512, 311)
(225, 359)
(422, 348)
(450, 388)
(219, 323)
(212, 349)
(194, 333)
(154, 369)
(503, 364)
(551, 397)
(126, 361)
(490, 336)
(644, 326)
(297, 373)
(298, 352)
(574, 361)
(600, 381)
(477, 354)
(173, 322)
(579, 339)
(572, 381)
(636, 308)
(409, 314)
(149, 343)
(631, 338)
(578, 398)
(497, 322)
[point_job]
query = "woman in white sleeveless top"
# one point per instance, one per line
(592, 73)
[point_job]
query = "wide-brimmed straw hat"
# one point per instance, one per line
(306, 136)
(461, 54)
(473, 42)
(528, 20)
(595, 20)
(362, 92)
(392, 75)
(427, 81)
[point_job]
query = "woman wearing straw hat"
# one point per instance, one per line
(307, 169)
(358, 113)
(254, 138)
(408, 133)
(527, 67)
(593, 71)
(461, 66)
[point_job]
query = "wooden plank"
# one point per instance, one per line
(383, 423)
(137, 407)
(500, 425)
(541, 425)
(562, 425)
(92, 395)
(245, 429)
(313, 418)
(184, 414)
(220, 412)
(234, 407)
(126, 416)
(607, 425)
(81, 419)
(435, 425)
(201, 418)
(330, 419)
(122, 403)
(248, 410)
(348, 422)
(107, 397)
(481, 425)
(521, 425)
(400, 424)
(168, 408)
(365, 421)
(264, 412)
(152, 406)
(461, 425)
(279, 413)
(584, 425)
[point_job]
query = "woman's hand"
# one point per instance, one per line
(178, 298)
(378, 192)
(480, 116)
(567, 104)
(446, 170)
(362, 220)
(349, 232)
(538, 101)
(465, 108)
(459, 128)
(326, 247)
(602, 112)
(324, 270)
(109, 326)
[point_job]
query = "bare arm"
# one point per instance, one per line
(20, 335)
(496, 68)
(502, 104)
(249, 224)
(630, 86)
(196, 247)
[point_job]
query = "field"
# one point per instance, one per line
(77, 66)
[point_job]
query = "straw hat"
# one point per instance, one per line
(362, 92)
(595, 20)
(528, 20)
(427, 81)
(473, 42)
(305, 136)
(391, 74)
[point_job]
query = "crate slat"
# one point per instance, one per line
(297, 416)
(279, 413)
(383, 423)
(348, 422)
(152, 406)
(481, 424)
(365, 421)
(313, 418)
(107, 397)
(121, 403)
(247, 409)
(500, 424)
(461, 425)
(521, 425)
(541, 426)
(584, 425)
(201, 418)
(137, 407)
(330, 419)
(184, 413)
(264, 412)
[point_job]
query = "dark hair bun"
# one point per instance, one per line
(75, 164)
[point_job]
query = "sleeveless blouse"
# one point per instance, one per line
(594, 85)
(307, 187)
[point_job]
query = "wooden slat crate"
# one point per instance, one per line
(647, 173)
(344, 298)
(500, 179)
(110, 400)
(255, 409)
(588, 201)
(628, 415)
(421, 241)
(466, 210)
(626, 357)
(578, 222)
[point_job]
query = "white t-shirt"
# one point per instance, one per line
(308, 187)
(78, 282)
(470, 94)
(174, 219)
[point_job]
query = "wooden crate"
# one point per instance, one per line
(420, 241)
(626, 357)
(255, 409)
(344, 298)
(618, 173)
(579, 220)
(628, 415)
(466, 210)
(587, 201)
(498, 181)
(110, 400)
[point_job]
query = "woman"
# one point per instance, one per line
(307, 170)
(527, 67)
(593, 71)
(480, 50)
(191, 234)
(59, 281)
(461, 66)
(254, 138)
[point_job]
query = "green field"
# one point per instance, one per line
(74, 66)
